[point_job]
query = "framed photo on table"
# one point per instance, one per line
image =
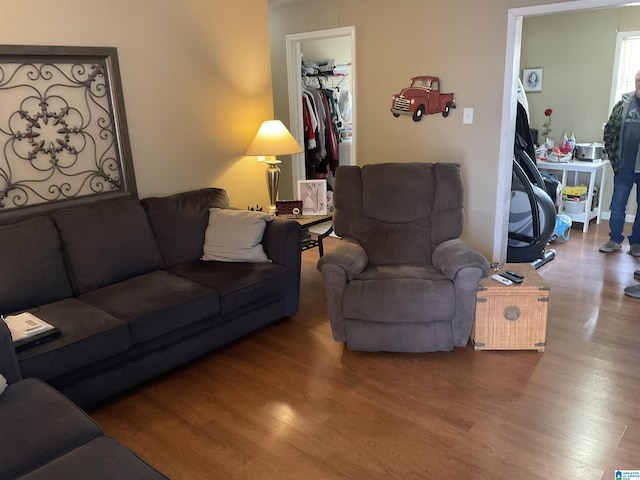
(313, 194)
(532, 79)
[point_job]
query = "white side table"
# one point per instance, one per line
(577, 167)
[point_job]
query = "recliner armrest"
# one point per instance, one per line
(452, 255)
(348, 255)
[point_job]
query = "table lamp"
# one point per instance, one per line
(273, 139)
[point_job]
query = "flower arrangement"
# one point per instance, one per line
(547, 125)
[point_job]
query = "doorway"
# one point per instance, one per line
(295, 46)
(511, 75)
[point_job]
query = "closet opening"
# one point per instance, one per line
(321, 74)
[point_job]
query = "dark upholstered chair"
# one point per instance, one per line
(401, 279)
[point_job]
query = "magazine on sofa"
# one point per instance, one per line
(27, 329)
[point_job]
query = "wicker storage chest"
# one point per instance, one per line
(512, 317)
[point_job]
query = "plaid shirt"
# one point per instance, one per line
(613, 130)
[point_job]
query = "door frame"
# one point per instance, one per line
(294, 78)
(509, 104)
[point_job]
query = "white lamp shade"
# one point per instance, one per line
(273, 139)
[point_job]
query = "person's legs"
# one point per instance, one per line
(634, 238)
(622, 183)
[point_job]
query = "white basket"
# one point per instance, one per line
(574, 207)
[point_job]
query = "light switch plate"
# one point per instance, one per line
(467, 116)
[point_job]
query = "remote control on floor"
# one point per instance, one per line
(501, 279)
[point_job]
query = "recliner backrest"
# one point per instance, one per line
(399, 212)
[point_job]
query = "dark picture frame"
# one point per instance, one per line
(63, 128)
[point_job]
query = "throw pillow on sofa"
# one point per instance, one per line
(235, 236)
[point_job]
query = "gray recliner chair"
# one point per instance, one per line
(401, 279)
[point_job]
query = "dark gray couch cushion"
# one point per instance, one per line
(32, 268)
(155, 303)
(241, 286)
(179, 222)
(38, 425)
(87, 335)
(100, 459)
(400, 294)
(8, 362)
(107, 242)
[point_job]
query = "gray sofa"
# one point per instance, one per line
(123, 281)
(45, 436)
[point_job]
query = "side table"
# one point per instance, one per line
(307, 221)
(511, 317)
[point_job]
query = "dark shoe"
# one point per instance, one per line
(636, 274)
(610, 246)
(635, 250)
(633, 291)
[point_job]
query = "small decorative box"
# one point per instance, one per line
(289, 207)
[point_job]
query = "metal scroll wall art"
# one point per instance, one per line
(62, 126)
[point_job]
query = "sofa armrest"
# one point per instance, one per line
(8, 362)
(453, 255)
(282, 243)
(349, 256)
(282, 240)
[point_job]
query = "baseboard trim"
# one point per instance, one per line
(628, 218)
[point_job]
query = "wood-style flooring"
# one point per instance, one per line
(288, 402)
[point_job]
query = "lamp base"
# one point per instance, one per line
(273, 178)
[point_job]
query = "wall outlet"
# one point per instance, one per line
(467, 116)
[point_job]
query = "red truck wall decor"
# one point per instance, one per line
(421, 98)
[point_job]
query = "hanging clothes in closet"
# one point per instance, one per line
(321, 126)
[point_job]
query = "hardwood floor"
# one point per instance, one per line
(289, 402)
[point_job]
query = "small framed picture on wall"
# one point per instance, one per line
(313, 194)
(532, 79)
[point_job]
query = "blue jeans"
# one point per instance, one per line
(623, 181)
